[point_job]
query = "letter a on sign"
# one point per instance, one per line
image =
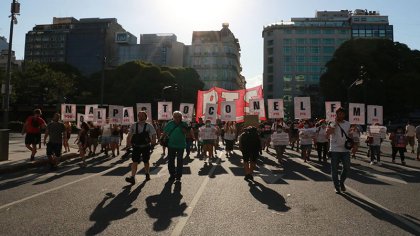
(228, 111)
(302, 107)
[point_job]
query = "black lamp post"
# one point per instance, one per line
(15, 9)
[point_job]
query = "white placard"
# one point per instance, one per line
(68, 112)
(275, 108)
(302, 107)
(89, 112)
(256, 107)
(330, 108)
(228, 111)
(164, 110)
(280, 138)
(377, 130)
(187, 110)
(115, 114)
(128, 116)
(80, 119)
(99, 116)
(147, 107)
(374, 114)
(208, 133)
(210, 112)
(357, 113)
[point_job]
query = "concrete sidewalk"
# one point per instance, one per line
(19, 155)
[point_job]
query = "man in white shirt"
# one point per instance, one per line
(338, 131)
(410, 132)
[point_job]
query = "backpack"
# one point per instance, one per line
(35, 123)
(140, 139)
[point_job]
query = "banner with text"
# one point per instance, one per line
(218, 95)
(330, 108)
(128, 116)
(147, 107)
(374, 114)
(302, 107)
(357, 113)
(89, 112)
(99, 116)
(68, 112)
(187, 110)
(210, 112)
(256, 107)
(115, 114)
(275, 108)
(228, 111)
(80, 120)
(164, 110)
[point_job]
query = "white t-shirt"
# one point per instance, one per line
(306, 136)
(149, 128)
(338, 138)
(410, 130)
(278, 139)
(321, 135)
(106, 130)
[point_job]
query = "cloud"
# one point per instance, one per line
(254, 81)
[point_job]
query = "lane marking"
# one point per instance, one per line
(59, 187)
(188, 212)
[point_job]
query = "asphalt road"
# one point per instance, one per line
(212, 199)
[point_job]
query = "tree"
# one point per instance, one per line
(375, 72)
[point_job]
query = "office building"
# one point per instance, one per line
(215, 55)
(87, 44)
(295, 52)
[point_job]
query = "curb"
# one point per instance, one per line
(28, 165)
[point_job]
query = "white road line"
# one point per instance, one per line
(360, 195)
(183, 221)
(59, 187)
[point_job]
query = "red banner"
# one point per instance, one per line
(217, 95)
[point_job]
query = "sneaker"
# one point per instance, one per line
(251, 177)
(372, 163)
(246, 178)
(130, 180)
(337, 191)
(147, 177)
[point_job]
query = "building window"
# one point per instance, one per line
(328, 31)
(270, 60)
(287, 87)
(269, 33)
(355, 33)
(270, 78)
(270, 69)
(300, 59)
(301, 68)
(288, 68)
(328, 41)
(287, 59)
(329, 50)
(301, 31)
(342, 31)
(270, 51)
(314, 50)
(301, 41)
(288, 31)
(287, 50)
(270, 42)
(314, 41)
(287, 41)
(270, 88)
(315, 31)
(287, 78)
(300, 50)
(314, 59)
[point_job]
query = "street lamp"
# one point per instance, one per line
(163, 91)
(15, 9)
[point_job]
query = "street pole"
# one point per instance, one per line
(15, 9)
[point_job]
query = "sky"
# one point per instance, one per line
(181, 17)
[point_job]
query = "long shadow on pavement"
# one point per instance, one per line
(383, 214)
(118, 208)
(165, 206)
(267, 196)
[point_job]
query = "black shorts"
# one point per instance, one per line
(250, 157)
(54, 148)
(33, 138)
(141, 154)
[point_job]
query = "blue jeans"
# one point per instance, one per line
(336, 158)
(178, 154)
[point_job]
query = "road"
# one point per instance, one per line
(212, 199)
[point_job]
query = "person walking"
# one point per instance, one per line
(280, 139)
(229, 137)
(375, 144)
(306, 136)
(82, 141)
(321, 141)
(208, 135)
(142, 137)
(338, 132)
(175, 130)
(66, 145)
(410, 132)
(32, 127)
(250, 146)
(355, 135)
(398, 143)
(56, 132)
